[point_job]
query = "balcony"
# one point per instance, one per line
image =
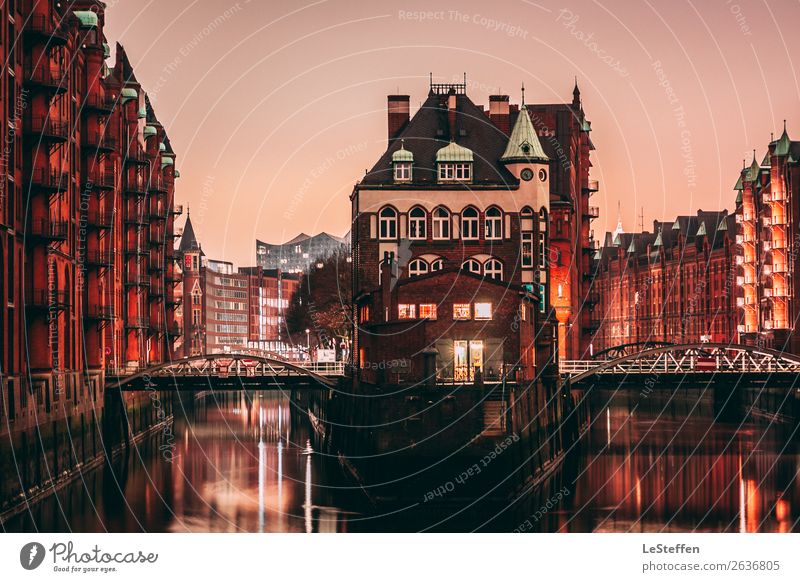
(135, 187)
(137, 280)
(100, 312)
(44, 74)
(49, 230)
(593, 212)
(158, 213)
(592, 187)
(47, 299)
(48, 179)
(104, 181)
(44, 28)
(47, 129)
(177, 210)
(100, 258)
(174, 330)
(135, 156)
(137, 322)
(103, 104)
(101, 219)
(172, 278)
(174, 301)
(135, 248)
(157, 292)
(157, 327)
(158, 184)
(96, 142)
(137, 219)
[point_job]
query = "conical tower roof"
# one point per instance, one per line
(188, 239)
(524, 144)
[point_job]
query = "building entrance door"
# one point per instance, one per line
(467, 357)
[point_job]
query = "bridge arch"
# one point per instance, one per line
(688, 358)
(223, 365)
(628, 349)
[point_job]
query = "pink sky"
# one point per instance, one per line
(275, 109)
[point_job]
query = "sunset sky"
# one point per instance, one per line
(275, 109)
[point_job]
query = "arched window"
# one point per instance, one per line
(494, 224)
(493, 269)
(388, 223)
(417, 267)
(441, 224)
(526, 212)
(469, 223)
(416, 224)
(471, 265)
(437, 265)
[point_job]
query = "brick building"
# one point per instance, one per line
(675, 284)
(86, 210)
(229, 310)
(768, 237)
(481, 219)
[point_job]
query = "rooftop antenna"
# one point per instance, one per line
(641, 219)
(523, 93)
(431, 78)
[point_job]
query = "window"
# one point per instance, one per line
(417, 267)
(406, 311)
(427, 310)
(494, 224)
(471, 265)
(437, 265)
(449, 171)
(461, 311)
(416, 224)
(197, 317)
(527, 249)
(542, 298)
(441, 224)
(493, 269)
(483, 311)
(402, 171)
(526, 212)
(542, 251)
(388, 223)
(469, 223)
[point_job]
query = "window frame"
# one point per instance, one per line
(493, 224)
(470, 225)
(402, 171)
(417, 225)
(443, 222)
(466, 317)
(432, 315)
(483, 304)
(418, 271)
(493, 269)
(471, 262)
(390, 222)
(406, 311)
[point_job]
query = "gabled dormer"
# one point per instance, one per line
(402, 165)
(454, 163)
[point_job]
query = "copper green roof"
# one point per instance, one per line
(783, 145)
(739, 185)
(616, 240)
(177, 174)
(166, 161)
(659, 240)
(765, 163)
(754, 172)
(702, 230)
(149, 131)
(739, 198)
(676, 225)
(632, 246)
(524, 145)
(587, 125)
(142, 113)
(402, 155)
(87, 17)
(127, 94)
(162, 147)
(723, 225)
(106, 51)
(453, 152)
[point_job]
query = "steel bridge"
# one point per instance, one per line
(229, 372)
(679, 360)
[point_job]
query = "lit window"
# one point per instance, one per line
(494, 224)
(402, 171)
(523, 312)
(388, 223)
(427, 310)
(493, 269)
(527, 249)
(406, 311)
(363, 314)
(461, 311)
(471, 265)
(469, 224)
(416, 224)
(483, 311)
(441, 224)
(449, 172)
(417, 267)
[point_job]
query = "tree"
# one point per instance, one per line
(322, 302)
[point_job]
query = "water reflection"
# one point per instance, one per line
(242, 462)
(670, 464)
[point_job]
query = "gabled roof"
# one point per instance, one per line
(783, 145)
(754, 171)
(524, 144)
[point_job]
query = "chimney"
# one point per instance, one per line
(398, 114)
(498, 112)
(452, 105)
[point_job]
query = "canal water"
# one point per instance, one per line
(244, 462)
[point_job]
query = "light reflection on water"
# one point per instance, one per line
(245, 462)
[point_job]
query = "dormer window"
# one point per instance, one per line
(454, 163)
(402, 164)
(402, 172)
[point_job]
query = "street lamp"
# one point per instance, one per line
(308, 344)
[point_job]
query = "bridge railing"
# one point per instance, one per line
(325, 368)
